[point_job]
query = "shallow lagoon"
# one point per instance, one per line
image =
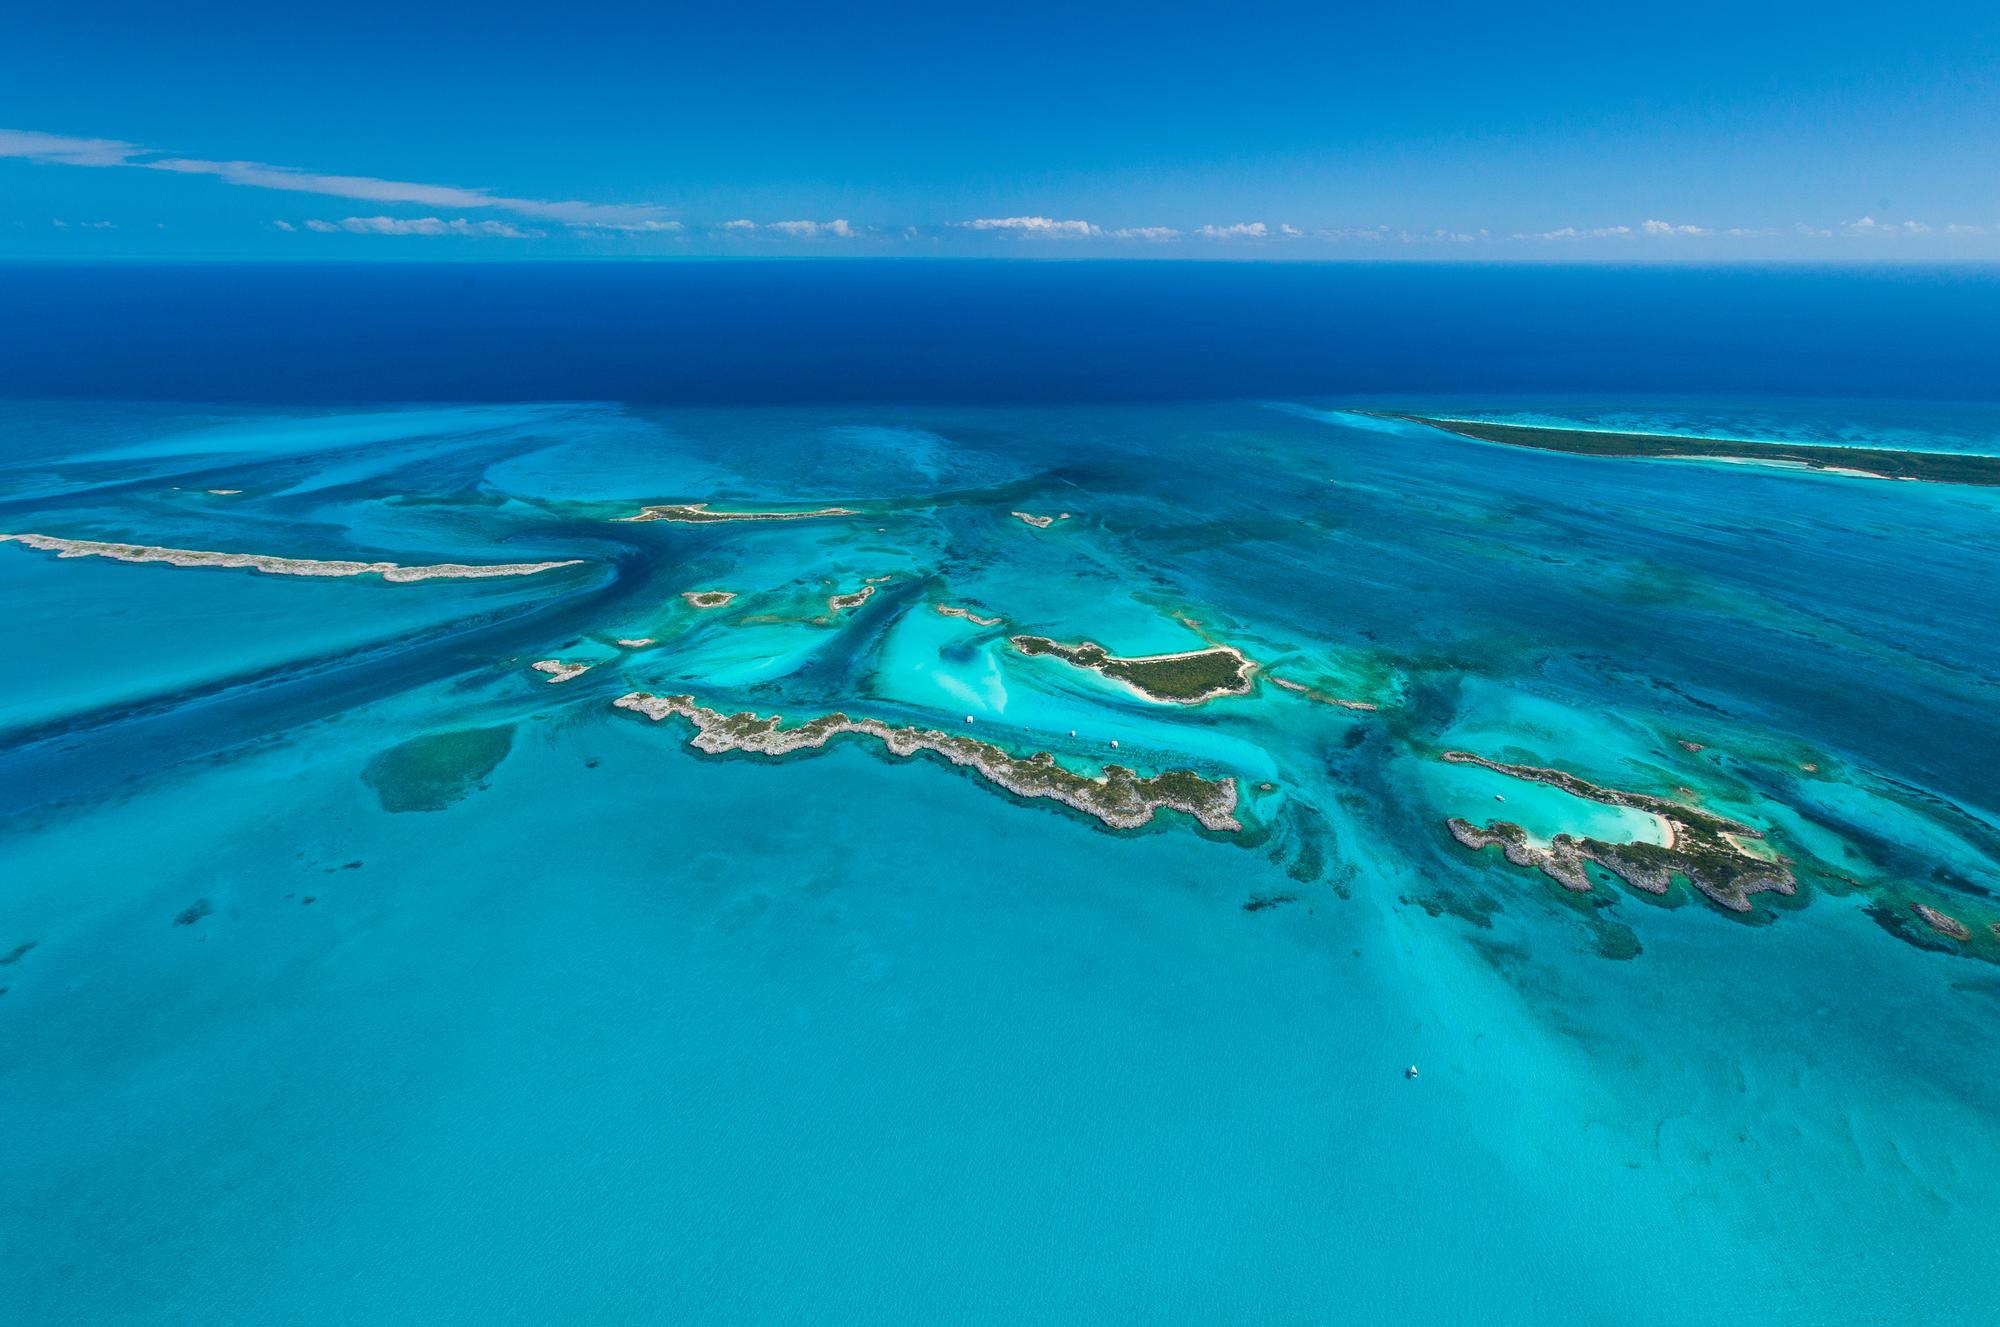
(582, 1025)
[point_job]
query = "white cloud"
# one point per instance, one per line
(1156, 234)
(285, 226)
(1669, 228)
(1290, 232)
(56, 149)
(1870, 226)
(1031, 226)
(1577, 233)
(631, 227)
(739, 225)
(812, 229)
(1242, 230)
(422, 226)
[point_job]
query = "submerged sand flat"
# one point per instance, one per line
(277, 566)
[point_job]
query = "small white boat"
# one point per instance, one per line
(1410, 1072)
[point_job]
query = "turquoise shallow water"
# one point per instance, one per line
(601, 1029)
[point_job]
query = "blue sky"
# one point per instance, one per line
(1443, 131)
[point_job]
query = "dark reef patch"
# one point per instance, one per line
(18, 952)
(193, 912)
(1472, 909)
(1617, 941)
(431, 772)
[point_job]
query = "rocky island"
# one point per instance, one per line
(1187, 678)
(1868, 462)
(559, 671)
(1318, 696)
(1120, 798)
(1039, 522)
(708, 598)
(698, 513)
(949, 611)
(1943, 923)
(277, 566)
(1706, 850)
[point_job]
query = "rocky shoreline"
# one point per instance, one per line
(1315, 694)
(277, 566)
(1943, 923)
(949, 611)
(1121, 799)
(1702, 848)
(559, 671)
(840, 603)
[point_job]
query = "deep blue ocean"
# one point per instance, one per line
(354, 969)
(902, 331)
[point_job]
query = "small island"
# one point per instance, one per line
(1943, 923)
(1187, 678)
(698, 513)
(1707, 850)
(840, 603)
(277, 566)
(1320, 697)
(970, 616)
(1039, 522)
(1120, 798)
(708, 598)
(1863, 462)
(559, 671)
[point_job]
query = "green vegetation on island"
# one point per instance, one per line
(1872, 462)
(1187, 678)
